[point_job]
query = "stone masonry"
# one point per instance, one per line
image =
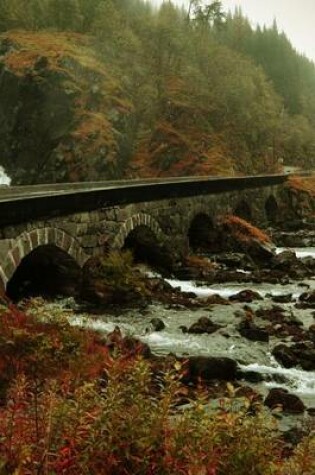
(82, 235)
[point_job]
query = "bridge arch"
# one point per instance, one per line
(201, 231)
(139, 219)
(272, 209)
(28, 242)
(243, 210)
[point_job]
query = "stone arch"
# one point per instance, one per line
(139, 219)
(201, 231)
(243, 210)
(28, 242)
(272, 209)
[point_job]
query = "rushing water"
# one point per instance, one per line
(295, 380)
(299, 251)
(251, 356)
(4, 178)
(230, 288)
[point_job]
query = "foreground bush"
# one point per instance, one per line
(76, 405)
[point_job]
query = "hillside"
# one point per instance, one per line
(116, 89)
(60, 109)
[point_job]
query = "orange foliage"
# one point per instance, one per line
(96, 94)
(306, 184)
(199, 262)
(31, 46)
(173, 151)
(242, 230)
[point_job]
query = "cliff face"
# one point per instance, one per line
(62, 115)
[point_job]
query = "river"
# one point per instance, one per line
(252, 356)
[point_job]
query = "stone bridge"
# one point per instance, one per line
(42, 227)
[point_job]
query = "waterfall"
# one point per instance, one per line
(4, 178)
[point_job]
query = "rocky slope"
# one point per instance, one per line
(68, 113)
(62, 114)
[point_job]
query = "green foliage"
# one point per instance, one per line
(114, 278)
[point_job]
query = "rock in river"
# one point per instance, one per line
(208, 367)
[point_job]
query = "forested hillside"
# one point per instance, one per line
(96, 89)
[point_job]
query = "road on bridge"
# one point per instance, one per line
(22, 203)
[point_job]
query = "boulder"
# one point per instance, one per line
(311, 332)
(252, 332)
(235, 260)
(284, 298)
(302, 353)
(307, 300)
(203, 325)
(157, 324)
(208, 367)
(284, 260)
(216, 299)
(290, 403)
(287, 262)
(246, 295)
(285, 355)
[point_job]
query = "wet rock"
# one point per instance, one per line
(309, 262)
(127, 344)
(251, 376)
(307, 359)
(235, 260)
(274, 314)
(216, 300)
(292, 319)
(252, 332)
(232, 276)
(307, 300)
(290, 403)
(284, 298)
(246, 295)
(261, 250)
(287, 262)
(284, 260)
(203, 325)
(301, 353)
(311, 333)
(157, 324)
(156, 284)
(207, 368)
(285, 355)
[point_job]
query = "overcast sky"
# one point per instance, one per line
(295, 17)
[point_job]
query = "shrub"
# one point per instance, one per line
(88, 409)
(242, 231)
(113, 279)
